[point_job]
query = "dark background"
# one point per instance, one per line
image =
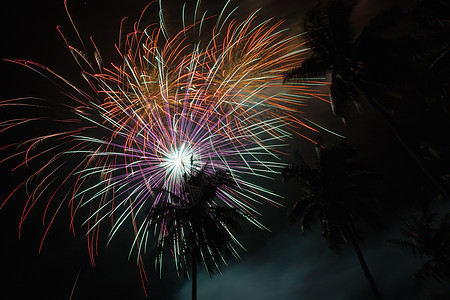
(277, 265)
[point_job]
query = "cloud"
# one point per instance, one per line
(291, 266)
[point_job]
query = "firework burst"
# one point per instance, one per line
(175, 106)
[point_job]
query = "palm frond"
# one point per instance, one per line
(404, 245)
(342, 94)
(429, 269)
(327, 27)
(300, 208)
(196, 230)
(310, 217)
(315, 67)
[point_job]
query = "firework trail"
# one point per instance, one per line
(176, 105)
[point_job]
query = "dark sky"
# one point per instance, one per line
(278, 265)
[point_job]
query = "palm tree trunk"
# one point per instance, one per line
(362, 261)
(194, 277)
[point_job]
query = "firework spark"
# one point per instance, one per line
(175, 106)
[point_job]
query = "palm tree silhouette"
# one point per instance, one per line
(333, 51)
(426, 241)
(194, 227)
(336, 51)
(333, 196)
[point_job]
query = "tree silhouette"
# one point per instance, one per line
(348, 59)
(426, 241)
(331, 42)
(194, 227)
(334, 195)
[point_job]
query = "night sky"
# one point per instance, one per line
(281, 264)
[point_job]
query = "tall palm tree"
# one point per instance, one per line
(336, 51)
(334, 195)
(194, 227)
(427, 241)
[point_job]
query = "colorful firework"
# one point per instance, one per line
(175, 106)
